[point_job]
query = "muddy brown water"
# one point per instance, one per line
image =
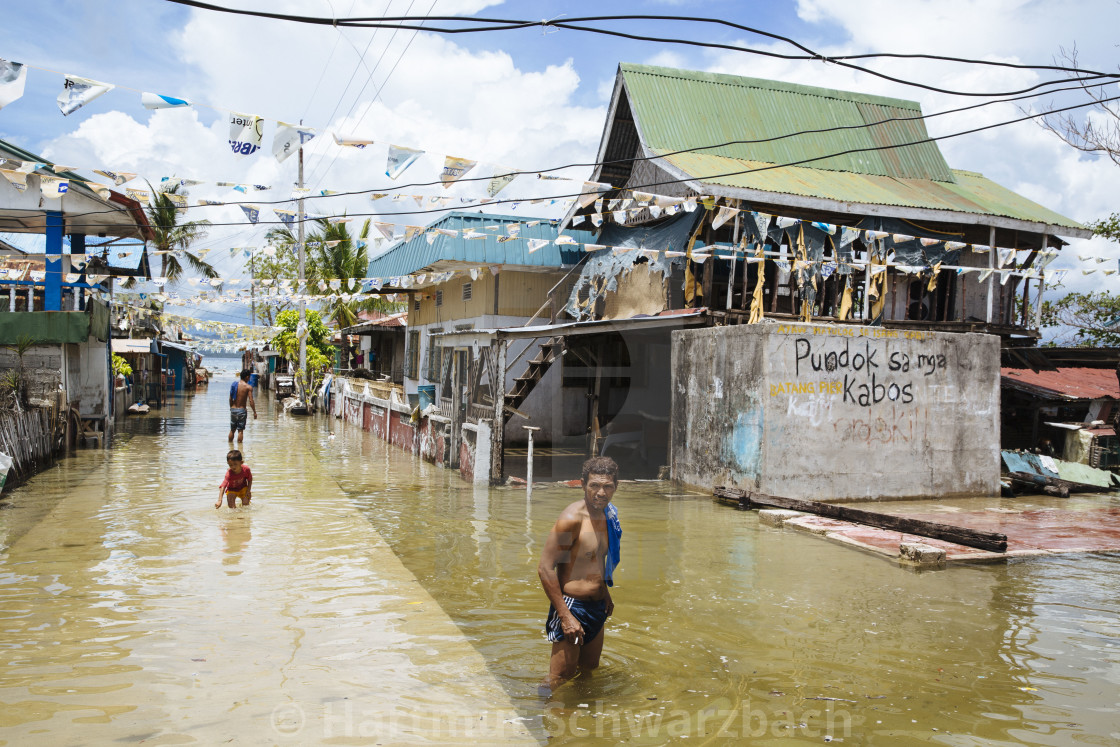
(367, 597)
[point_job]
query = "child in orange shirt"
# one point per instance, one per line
(238, 482)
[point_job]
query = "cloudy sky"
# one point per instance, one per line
(521, 99)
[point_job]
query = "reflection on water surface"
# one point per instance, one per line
(130, 606)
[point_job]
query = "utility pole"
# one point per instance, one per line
(301, 328)
(252, 287)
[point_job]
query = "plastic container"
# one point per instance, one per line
(253, 379)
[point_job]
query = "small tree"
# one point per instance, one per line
(1086, 319)
(320, 352)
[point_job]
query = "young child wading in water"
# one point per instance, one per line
(238, 482)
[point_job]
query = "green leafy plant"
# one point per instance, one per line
(121, 366)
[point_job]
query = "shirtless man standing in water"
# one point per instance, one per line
(242, 396)
(576, 570)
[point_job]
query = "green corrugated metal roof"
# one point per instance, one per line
(680, 109)
(677, 109)
(971, 194)
(417, 254)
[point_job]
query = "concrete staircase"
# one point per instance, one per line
(550, 351)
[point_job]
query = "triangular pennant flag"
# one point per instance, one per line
(118, 178)
(535, 244)
(289, 138)
(498, 183)
(565, 240)
(77, 92)
(245, 133)
(158, 101)
(930, 242)
(454, 169)
(17, 179)
(287, 217)
(140, 195)
(351, 142)
(386, 229)
(725, 214)
(252, 212)
(13, 78)
(400, 159)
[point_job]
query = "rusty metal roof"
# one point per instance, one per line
(1065, 383)
(840, 169)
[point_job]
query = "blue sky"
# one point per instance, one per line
(522, 99)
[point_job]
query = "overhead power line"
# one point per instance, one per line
(469, 24)
(708, 177)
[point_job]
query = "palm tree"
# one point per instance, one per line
(333, 254)
(172, 237)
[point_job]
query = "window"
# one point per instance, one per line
(416, 305)
(432, 372)
(466, 291)
(439, 297)
(412, 356)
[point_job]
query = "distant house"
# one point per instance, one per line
(471, 274)
(738, 201)
(1064, 400)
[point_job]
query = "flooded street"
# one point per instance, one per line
(367, 597)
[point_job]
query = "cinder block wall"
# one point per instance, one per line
(830, 412)
(42, 370)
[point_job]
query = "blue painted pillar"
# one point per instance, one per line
(52, 295)
(78, 247)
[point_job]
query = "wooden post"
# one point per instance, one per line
(456, 418)
(498, 430)
(991, 266)
(734, 257)
(709, 268)
(596, 433)
(990, 541)
(1041, 289)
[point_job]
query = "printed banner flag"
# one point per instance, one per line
(53, 186)
(13, 78)
(535, 244)
(566, 240)
(289, 138)
(498, 183)
(179, 201)
(386, 229)
(287, 217)
(252, 212)
(157, 101)
(77, 92)
(118, 178)
(17, 179)
(454, 169)
(400, 159)
(140, 195)
(351, 142)
(725, 214)
(245, 133)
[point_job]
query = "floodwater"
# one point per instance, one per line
(370, 598)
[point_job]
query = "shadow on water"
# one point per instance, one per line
(722, 622)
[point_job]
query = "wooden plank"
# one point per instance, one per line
(990, 541)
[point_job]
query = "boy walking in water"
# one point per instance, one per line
(238, 482)
(240, 395)
(577, 566)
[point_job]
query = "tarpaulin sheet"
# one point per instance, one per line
(1019, 461)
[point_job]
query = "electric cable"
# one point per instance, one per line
(494, 24)
(593, 164)
(694, 178)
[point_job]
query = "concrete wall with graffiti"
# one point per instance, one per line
(831, 412)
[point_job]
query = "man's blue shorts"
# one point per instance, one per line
(237, 416)
(591, 613)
